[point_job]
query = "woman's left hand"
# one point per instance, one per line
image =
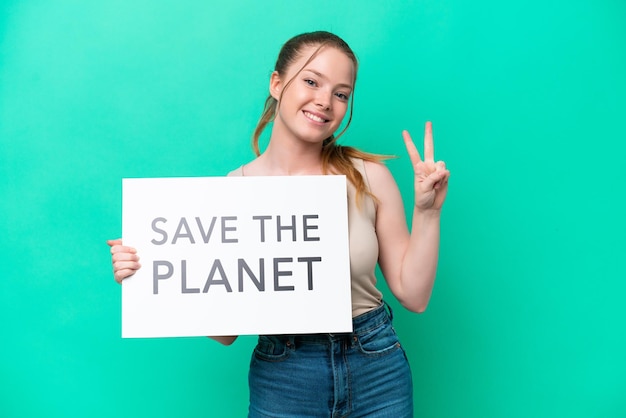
(431, 178)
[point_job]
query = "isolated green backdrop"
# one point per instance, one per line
(527, 100)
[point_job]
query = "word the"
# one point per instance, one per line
(203, 230)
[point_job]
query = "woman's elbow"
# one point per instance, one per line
(226, 340)
(414, 305)
(416, 308)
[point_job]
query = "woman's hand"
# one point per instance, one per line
(431, 178)
(125, 260)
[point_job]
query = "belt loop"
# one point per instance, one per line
(389, 309)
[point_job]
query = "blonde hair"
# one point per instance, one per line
(335, 158)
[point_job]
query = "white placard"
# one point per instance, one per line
(236, 256)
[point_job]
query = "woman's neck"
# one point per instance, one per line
(288, 157)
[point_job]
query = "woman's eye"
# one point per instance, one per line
(342, 96)
(310, 82)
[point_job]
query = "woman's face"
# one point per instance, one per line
(313, 105)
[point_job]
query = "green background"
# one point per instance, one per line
(527, 99)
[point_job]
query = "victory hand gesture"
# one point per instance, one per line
(431, 178)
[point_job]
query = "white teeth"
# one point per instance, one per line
(313, 117)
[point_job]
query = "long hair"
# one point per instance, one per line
(335, 157)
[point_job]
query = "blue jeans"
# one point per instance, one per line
(361, 374)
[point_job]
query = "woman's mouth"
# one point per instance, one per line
(314, 117)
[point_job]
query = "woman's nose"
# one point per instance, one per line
(323, 100)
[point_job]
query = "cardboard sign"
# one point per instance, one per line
(236, 256)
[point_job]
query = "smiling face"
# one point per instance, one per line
(313, 97)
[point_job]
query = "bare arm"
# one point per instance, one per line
(409, 260)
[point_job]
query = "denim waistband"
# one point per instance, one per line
(360, 325)
(369, 319)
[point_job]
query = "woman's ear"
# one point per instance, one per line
(276, 85)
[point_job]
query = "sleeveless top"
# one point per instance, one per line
(363, 246)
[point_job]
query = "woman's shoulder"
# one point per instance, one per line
(370, 168)
(238, 172)
(366, 162)
(378, 175)
(364, 165)
(253, 167)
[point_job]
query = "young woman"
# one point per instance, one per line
(364, 373)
